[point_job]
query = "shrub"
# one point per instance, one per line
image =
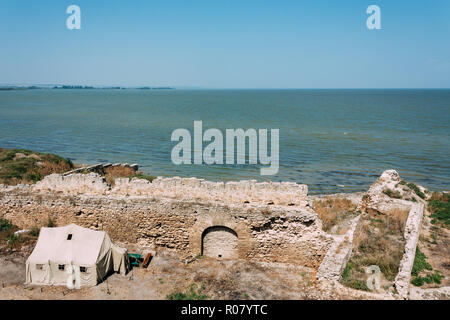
(5, 225)
(12, 239)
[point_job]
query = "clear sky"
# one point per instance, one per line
(227, 44)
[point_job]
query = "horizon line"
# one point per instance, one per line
(50, 86)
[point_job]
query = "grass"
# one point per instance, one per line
(420, 263)
(379, 241)
(349, 281)
(429, 279)
(333, 211)
(416, 189)
(8, 237)
(140, 175)
(439, 206)
(422, 266)
(392, 194)
(25, 166)
(193, 293)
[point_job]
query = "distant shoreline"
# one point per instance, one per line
(57, 87)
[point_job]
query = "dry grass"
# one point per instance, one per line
(112, 173)
(333, 211)
(119, 171)
(395, 221)
(378, 240)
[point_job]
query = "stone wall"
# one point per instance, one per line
(338, 255)
(278, 193)
(272, 233)
(412, 231)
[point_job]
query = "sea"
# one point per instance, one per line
(332, 140)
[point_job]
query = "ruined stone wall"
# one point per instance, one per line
(338, 255)
(278, 193)
(265, 232)
(412, 231)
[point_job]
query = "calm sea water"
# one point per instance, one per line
(332, 140)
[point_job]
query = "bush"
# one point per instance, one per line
(12, 239)
(5, 225)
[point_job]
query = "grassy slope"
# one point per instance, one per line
(25, 166)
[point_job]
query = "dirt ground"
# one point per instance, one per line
(167, 274)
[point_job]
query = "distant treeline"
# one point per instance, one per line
(81, 87)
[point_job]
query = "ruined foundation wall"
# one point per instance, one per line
(412, 232)
(265, 233)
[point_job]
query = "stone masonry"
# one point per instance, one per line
(248, 220)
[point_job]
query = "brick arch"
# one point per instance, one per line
(219, 242)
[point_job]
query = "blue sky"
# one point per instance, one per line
(227, 44)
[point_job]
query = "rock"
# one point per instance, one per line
(411, 234)
(376, 199)
(76, 183)
(34, 156)
(430, 294)
(19, 156)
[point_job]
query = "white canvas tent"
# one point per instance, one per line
(74, 254)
